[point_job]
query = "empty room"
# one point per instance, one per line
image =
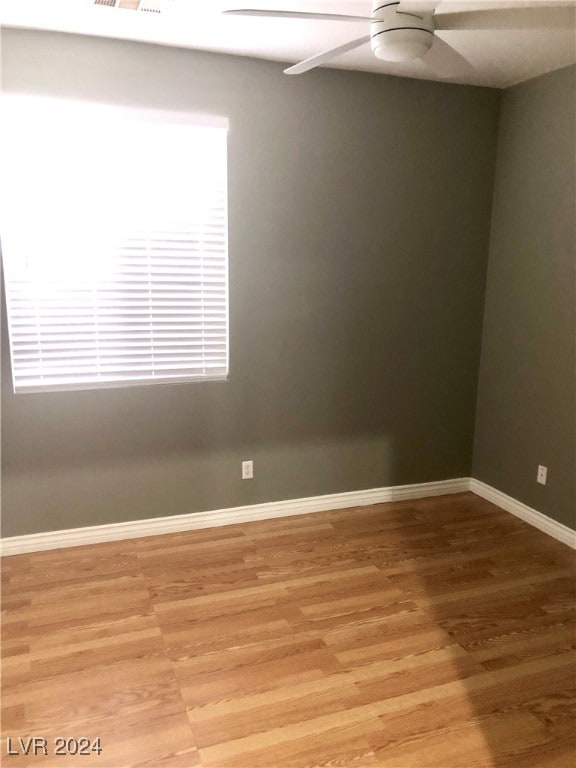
(288, 415)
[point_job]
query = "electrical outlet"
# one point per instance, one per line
(247, 470)
(542, 474)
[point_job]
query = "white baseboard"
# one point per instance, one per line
(75, 537)
(558, 531)
(96, 534)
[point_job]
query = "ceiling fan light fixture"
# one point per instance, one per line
(401, 45)
(400, 36)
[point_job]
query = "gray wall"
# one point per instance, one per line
(527, 388)
(359, 226)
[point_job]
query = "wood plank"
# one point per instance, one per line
(436, 632)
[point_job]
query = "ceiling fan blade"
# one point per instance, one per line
(294, 15)
(430, 6)
(521, 18)
(417, 6)
(444, 60)
(320, 58)
(496, 5)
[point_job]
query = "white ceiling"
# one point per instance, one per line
(499, 57)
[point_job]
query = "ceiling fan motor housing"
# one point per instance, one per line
(399, 36)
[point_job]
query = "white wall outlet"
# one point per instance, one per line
(542, 474)
(247, 470)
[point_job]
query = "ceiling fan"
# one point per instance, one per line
(404, 30)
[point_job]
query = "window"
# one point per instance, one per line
(114, 239)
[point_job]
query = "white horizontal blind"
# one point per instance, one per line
(114, 245)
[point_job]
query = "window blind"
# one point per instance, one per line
(115, 247)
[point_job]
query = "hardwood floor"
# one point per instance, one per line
(437, 632)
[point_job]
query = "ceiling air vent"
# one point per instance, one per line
(151, 6)
(146, 6)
